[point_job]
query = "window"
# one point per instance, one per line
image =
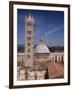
(29, 23)
(28, 50)
(28, 56)
(28, 38)
(29, 32)
(28, 44)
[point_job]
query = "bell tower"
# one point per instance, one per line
(29, 40)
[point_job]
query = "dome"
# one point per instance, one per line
(42, 48)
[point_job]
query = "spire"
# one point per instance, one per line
(29, 17)
(29, 14)
(42, 40)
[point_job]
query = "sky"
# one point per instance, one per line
(49, 25)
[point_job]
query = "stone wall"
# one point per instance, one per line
(40, 61)
(55, 57)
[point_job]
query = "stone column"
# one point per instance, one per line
(57, 58)
(54, 58)
(60, 58)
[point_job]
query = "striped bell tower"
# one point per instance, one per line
(29, 40)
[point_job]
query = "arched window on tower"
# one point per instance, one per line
(29, 32)
(28, 56)
(29, 50)
(28, 38)
(28, 44)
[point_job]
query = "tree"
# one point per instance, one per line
(47, 74)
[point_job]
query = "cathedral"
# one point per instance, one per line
(38, 63)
